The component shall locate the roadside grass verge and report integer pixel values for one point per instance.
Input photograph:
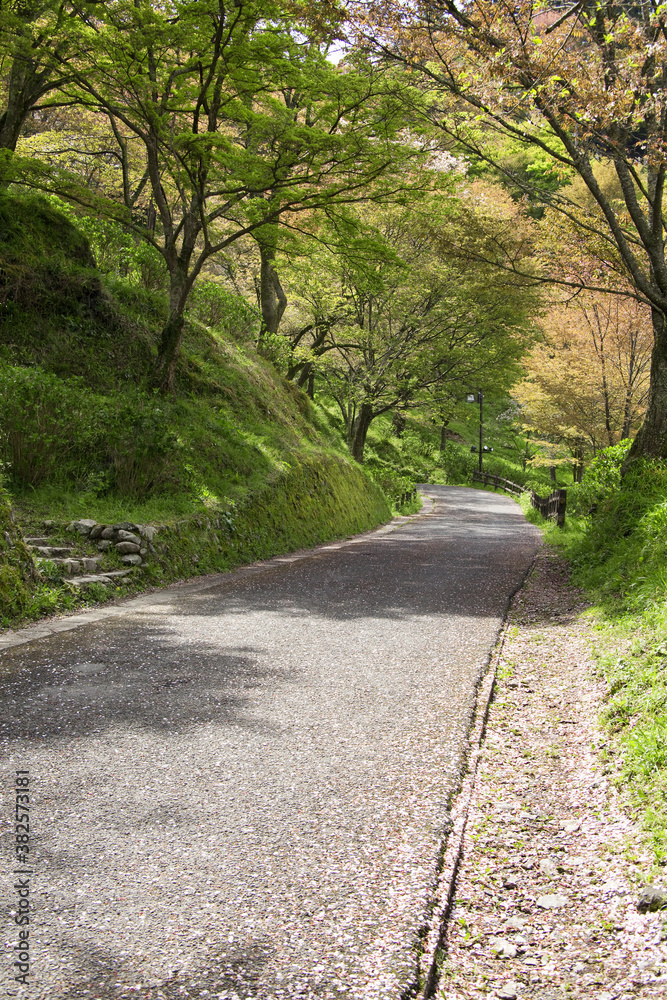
(319, 498)
(618, 556)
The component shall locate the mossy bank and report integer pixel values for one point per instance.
(237, 464)
(615, 539)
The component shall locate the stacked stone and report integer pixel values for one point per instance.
(133, 542)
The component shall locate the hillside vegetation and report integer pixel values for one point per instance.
(82, 435)
(615, 539)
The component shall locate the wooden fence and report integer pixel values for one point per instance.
(406, 497)
(552, 506)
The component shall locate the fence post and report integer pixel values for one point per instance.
(562, 502)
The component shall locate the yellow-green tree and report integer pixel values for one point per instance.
(587, 382)
(577, 83)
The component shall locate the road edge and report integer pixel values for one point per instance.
(68, 622)
(454, 834)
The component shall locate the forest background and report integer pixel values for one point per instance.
(246, 248)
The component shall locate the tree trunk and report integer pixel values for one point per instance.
(362, 422)
(629, 390)
(651, 441)
(627, 410)
(172, 332)
(272, 298)
(305, 375)
(20, 87)
(607, 410)
(398, 420)
(443, 436)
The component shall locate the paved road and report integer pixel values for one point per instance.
(239, 788)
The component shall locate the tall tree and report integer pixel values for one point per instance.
(580, 83)
(396, 324)
(35, 41)
(211, 143)
(587, 381)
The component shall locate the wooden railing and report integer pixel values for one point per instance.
(407, 497)
(552, 506)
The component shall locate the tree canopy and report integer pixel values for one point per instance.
(217, 122)
(581, 84)
(391, 321)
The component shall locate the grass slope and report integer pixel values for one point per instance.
(616, 542)
(82, 435)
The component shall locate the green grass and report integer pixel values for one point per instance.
(82, 434)
(617, 556)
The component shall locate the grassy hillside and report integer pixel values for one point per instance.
(615, 539)
(82, 435)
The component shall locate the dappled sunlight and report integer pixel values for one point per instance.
(242, 780)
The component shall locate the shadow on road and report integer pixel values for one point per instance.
(172, 667)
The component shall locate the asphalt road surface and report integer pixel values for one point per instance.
(238, 788)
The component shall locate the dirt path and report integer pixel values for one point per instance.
(545, 902)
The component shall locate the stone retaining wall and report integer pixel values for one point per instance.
(322, 498)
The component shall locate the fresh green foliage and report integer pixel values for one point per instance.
(240, 123)
(602, 478)
(391, 319)
(214, 305)
(236, 441)
(492, 79)
(527, 171)
(36, 39)
(115, 249)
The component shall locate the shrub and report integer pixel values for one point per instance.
(56, 429)
(458, 463)
(600, 480)
(140, 445)
(538, 486)
(216, 306)
(391, 481)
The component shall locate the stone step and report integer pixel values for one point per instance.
(91, 564)
(52, 551)
(106, 579)
(40, 540)
(68, 566)
(87, 564)
(85, 581)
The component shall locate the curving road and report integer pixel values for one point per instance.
(239, 786)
